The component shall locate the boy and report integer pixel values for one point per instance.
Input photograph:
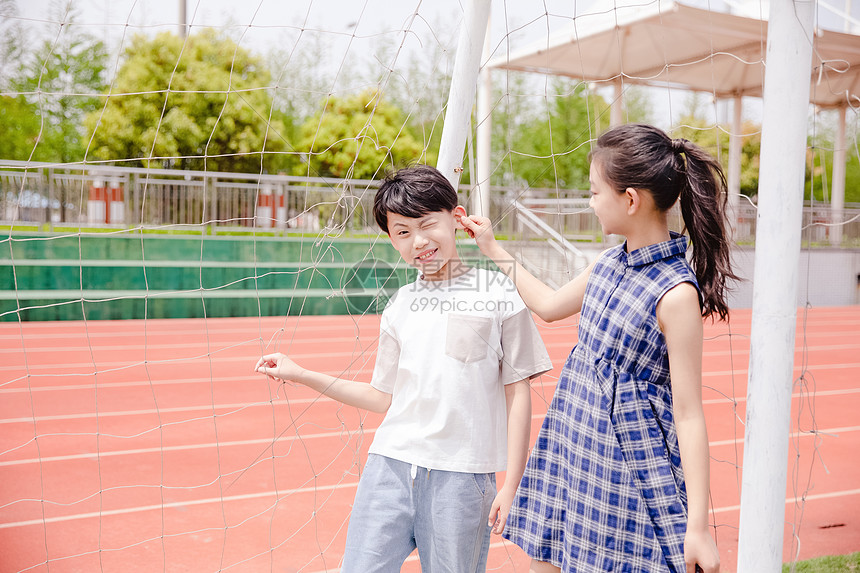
(456, 351)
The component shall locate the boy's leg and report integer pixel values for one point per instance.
(451, 528)
(381, 532)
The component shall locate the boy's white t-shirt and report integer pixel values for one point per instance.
(446, 350)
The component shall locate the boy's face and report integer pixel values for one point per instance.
(427, 242)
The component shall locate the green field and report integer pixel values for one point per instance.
(829, 564)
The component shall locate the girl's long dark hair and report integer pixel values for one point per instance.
(644, 157)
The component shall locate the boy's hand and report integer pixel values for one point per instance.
(280, 366)
(500, 509)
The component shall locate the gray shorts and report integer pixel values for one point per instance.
(400, 507)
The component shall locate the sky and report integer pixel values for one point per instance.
(265, 23)
(262, 19)
(342, 34)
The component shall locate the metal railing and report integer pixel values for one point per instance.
(557, 265)
(821, 225)
(101, 196)
(123, 197)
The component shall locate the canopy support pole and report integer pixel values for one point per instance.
(837, 189)
(734, 179)
(616, 108)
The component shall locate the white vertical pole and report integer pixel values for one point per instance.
(461, 97)
(837, 185)
(183, 18)
(616, 108)
(774, 311)
(734, 181)
(481, 194)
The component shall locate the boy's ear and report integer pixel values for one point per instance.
(459, 212)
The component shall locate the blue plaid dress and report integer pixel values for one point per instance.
(603, 489)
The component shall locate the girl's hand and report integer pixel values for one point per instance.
(700, 553)
(279, 365)
(480, 229)
(500, 509)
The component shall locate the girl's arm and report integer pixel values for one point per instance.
(550, 305)
(519, 409)
(349, 392)
(680, 319)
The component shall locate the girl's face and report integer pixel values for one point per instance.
(609, 205)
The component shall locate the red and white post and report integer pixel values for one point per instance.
(96, 202)
(265, 207)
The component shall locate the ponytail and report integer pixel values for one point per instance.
(703, 197)
(644, 157)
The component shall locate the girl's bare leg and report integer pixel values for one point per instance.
(543, 567)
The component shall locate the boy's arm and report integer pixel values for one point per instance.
(680, 320)
(519, 411)
(349, 392)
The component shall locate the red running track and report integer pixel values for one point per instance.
(151, 446)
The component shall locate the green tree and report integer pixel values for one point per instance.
(20, 121)
(819, 161)
(11, 42)
(637, 105)
(715, 139)
(300, 82)
(203, 104)
(19, 129)
(357, 136)
(56, 86)
(552, 151)
(420, 88)
(66, 79)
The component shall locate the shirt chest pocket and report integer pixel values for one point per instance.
(468, 337)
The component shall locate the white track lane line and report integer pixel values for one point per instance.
(285, 493)
(827, 432)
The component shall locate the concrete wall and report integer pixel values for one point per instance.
(827, 277)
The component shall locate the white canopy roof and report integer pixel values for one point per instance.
(688, 48)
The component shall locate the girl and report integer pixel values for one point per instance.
(604, 489)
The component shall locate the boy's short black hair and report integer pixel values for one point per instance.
(413, 192)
